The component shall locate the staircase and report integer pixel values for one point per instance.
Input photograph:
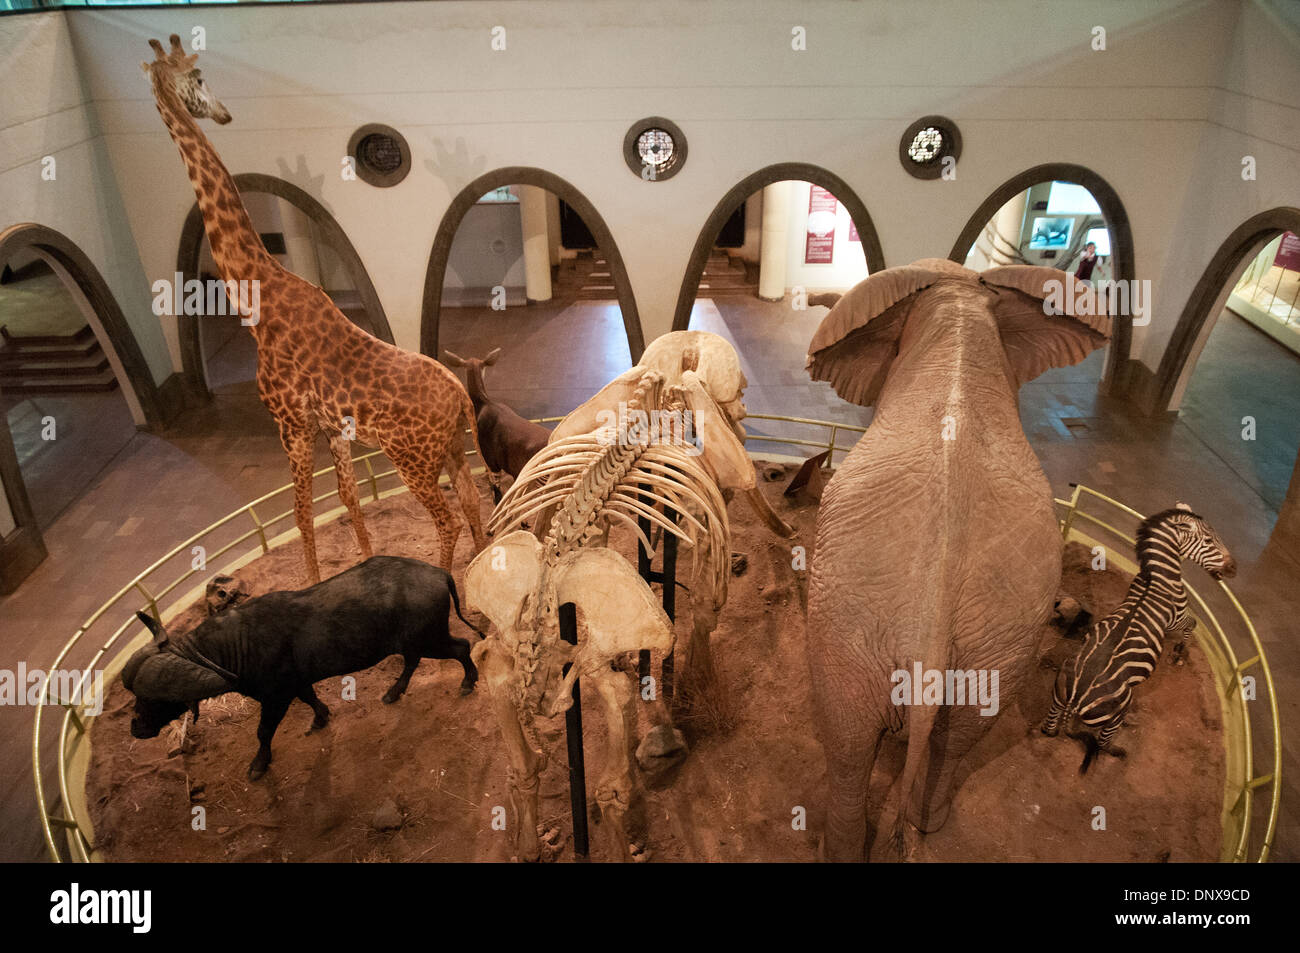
(725, 274)
(586, 278)
(54, 363)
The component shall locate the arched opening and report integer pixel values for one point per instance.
(218, 355)
(1232, 367)
(1047, 216)
(524, 262)
(739, 213)
(74, 385)
(772, 243)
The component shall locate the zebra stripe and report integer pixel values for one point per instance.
(1095, 686)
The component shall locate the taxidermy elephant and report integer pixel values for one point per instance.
(937, 546)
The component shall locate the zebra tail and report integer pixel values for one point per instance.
(1089, 743)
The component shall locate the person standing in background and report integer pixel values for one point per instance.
(1087, 262)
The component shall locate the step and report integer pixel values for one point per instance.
(726, 281)
(10, 354)
(34, 369)
(95, 383)
(725, 263)
(76, 339)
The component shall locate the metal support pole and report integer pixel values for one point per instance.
(669, 579)
(645, 572)
(573, 735)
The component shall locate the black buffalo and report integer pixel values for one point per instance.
(273, 648)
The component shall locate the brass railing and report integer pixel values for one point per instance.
(266, 534)
(1221, 644)
(147, 585)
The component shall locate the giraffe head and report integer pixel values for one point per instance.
(180, 69)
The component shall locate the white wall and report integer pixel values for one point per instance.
(46, 113)
(751, 250)
(848, 263)
(488, 250)
(1164, 114)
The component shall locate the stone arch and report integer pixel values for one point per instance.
(742, 190)
(1112, 209)
(1207, 299)
(92, 294)
(23, 548)
(430, 312)
(187, 263)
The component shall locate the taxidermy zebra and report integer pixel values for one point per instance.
(1095, 687)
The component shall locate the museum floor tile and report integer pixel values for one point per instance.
(163, 487)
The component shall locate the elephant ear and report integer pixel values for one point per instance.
(1040, 326)
(619, 609)
(588, 416)
(499, 578)
(858, 340)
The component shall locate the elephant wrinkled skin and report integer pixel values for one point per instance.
(936, 539)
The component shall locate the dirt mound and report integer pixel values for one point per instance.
(419, 780)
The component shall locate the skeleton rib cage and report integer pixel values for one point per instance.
(614, 474)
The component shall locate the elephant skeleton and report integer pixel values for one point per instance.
(706, 369)
(611, 474)
(702, 391)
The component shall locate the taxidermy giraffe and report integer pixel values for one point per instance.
(316, 370)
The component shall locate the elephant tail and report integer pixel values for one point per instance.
(920, 725)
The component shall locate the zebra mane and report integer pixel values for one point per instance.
(1152, 522)
(1147, 530)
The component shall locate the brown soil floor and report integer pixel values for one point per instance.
(754, 761)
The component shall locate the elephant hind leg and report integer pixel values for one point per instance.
(848, 767)
(957, 729)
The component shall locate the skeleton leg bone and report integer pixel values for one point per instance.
(617, 784)
(496, 668)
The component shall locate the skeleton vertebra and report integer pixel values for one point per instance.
(588, 480)
(707, 370)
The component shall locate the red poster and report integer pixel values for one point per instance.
(853, 231)
(1288, 252)
(819, 248)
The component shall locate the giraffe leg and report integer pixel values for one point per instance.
(341, 448)
(297, 444)
(523, 774)
(467, 493)
(422, 481)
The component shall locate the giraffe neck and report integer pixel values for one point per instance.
(236, 247)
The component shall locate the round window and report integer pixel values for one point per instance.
(654, 149)
(926, 144)
(381, 154)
